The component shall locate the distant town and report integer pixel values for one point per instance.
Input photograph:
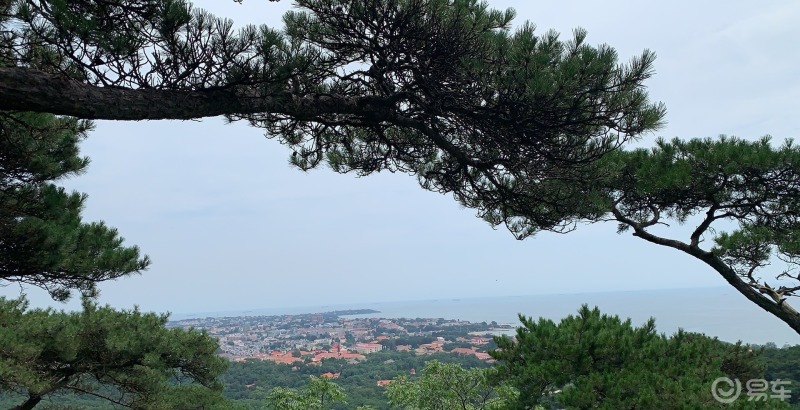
(308, 339)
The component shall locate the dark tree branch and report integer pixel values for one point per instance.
(28, 404)
(778, 307)
(703, 227)
(35, 398)
(25, 89)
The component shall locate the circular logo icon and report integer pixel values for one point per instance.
(726, 390)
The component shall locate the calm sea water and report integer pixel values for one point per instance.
(719, 312)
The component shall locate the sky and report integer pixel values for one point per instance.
(230, 225)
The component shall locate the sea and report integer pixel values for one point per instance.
(718, 312)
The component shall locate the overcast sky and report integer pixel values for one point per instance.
(230, 225)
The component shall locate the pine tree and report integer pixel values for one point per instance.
(448, 386)
(320, 393)
(43, 241)
(592, 360)
(746, 195)
(441, 89)
(125, 357)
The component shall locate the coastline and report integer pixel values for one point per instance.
(718, 312)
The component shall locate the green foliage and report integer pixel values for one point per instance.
(726, 182)
(600, 361)
(485, 110)
(127, 357)
(746, 181)
(685, 356)
(359, 381)
(679, 359)
(43, 241)
(447, 386)
(783, 364)
(318, 394)
(444, 90)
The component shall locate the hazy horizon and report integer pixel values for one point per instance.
(715, 311)
(352, 305)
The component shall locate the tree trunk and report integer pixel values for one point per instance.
(27, 89)
(782, 311)
(28, 404)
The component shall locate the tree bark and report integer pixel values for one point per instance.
(782, 311)
(27, 89)
(28, 404)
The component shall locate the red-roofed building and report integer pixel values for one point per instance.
(343, 355)
(463, 351)
(367, 348)
(281, 357)
(472, 352)
(483, 356)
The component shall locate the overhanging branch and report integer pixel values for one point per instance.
(775, 304)
(26, 89)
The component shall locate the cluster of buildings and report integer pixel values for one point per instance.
(315, 357)
(308, 339)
